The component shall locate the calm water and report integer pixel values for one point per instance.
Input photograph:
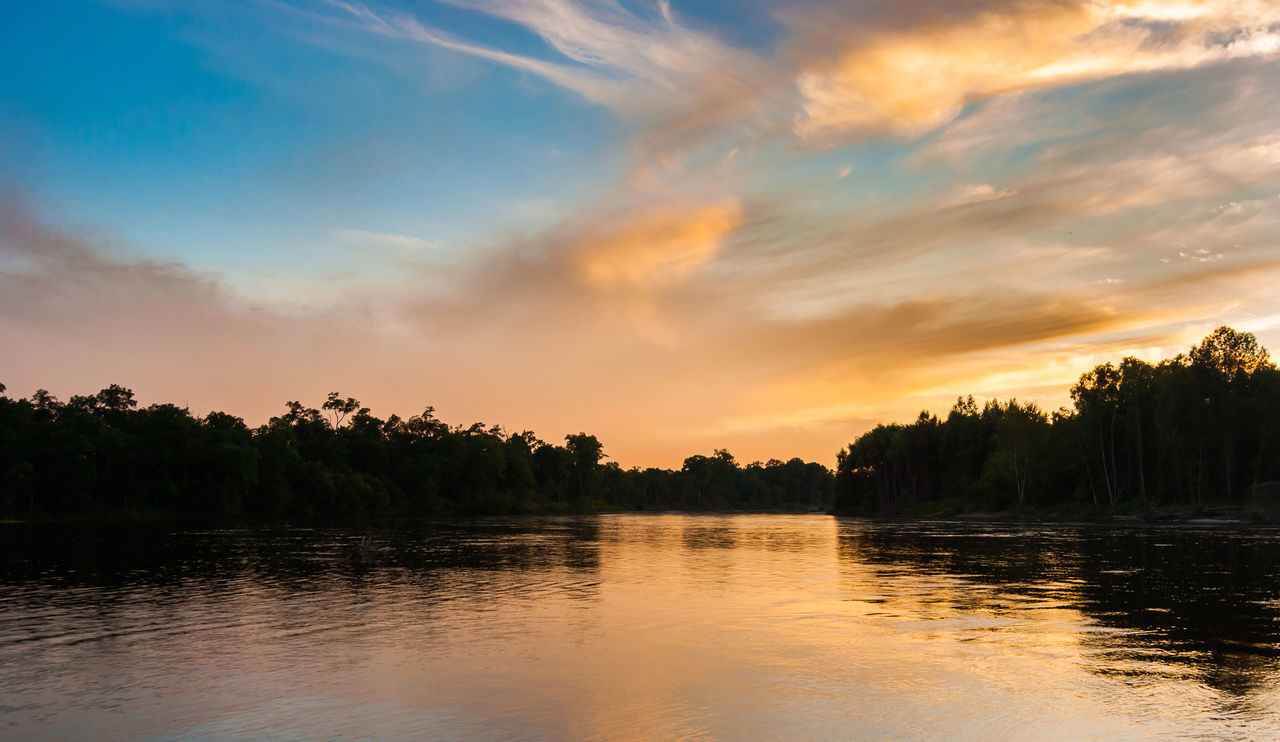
(629, 627)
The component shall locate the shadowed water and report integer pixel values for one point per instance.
(636, 626)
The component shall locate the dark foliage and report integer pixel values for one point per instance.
(100, 454)
(1201, 428)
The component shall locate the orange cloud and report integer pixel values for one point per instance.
(915, 79)
(656, 248)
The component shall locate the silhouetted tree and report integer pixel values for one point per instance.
(1202, 426)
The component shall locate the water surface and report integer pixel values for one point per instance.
(641, 626)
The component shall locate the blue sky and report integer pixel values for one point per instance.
(683, 226)
(223, 140)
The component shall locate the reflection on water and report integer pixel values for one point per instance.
(665, 626)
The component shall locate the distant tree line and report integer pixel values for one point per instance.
(102, 455)
(1199, 429)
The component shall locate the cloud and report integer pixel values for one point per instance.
(591, 86)
(77, 313)
(1201, 170)
(404, 242)
(1202, 255)
(37, 260)
(878, 71)
(657, 247)
(644, 66)
(975, 193)
(998, 124)
(848, 69)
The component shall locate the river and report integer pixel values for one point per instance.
(777, 627)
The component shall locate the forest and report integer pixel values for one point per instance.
(101, 456)
(1200, 430)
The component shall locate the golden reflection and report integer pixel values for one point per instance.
(658, 626)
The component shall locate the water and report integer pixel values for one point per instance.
(641, 627)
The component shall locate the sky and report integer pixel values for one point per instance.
(679, 226)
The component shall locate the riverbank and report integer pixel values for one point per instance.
(119, 516)
(1131, 512)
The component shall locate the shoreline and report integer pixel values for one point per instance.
(1198, 516)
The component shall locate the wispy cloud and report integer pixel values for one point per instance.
(406, 242)
(592, 86)
(609, 55)
(976, 193)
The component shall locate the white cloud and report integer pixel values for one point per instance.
(975, 193)
(1200, 255)
(379, 239)
(616, 57)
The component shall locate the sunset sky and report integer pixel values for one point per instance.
(760, 226)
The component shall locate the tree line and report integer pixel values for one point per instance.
(103, 455)
(1199, 429)
(1202, 428)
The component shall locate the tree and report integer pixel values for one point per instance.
(1020, 437)
(1097, 400)
(1230, 354)
(1224, 364)
(586, 451)
(340, 408)
(46, 403)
